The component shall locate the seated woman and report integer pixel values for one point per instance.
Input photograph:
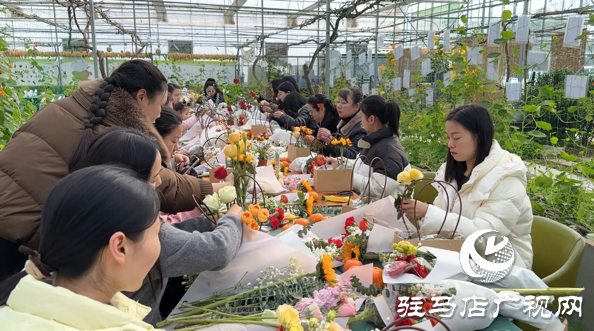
(349, 102)
(189, 247)
(170, 127)
(295, 112)
(175, 92)
(491, 183)
(324, 114)
(268, 105)
(381, 119)
(212, 93)
(99, 236)
(188, 119)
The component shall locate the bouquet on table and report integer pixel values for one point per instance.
(407, 258)
(355, 238)
(242, 164)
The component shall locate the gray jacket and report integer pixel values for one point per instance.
(188, 248)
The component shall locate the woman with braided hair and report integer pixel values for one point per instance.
(99, 237)
(56, 140)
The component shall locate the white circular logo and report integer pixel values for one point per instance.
(494, 264)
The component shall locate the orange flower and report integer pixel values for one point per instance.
(1, 91)
(254, 209)
(247, 218)
(263, 215)
(306, 186)
(254, 226)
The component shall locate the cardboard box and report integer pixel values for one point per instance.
(443, 242)
(258, 130)
(333, 180)
(295, 152)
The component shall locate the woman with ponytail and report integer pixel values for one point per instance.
(381, 119)
(55, 141)
(294, 112)
(324, 114)
(99, 237)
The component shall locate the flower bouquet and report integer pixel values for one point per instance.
(335, 180)
(242, 164)
(300, 147)
(355, 239)
(421, 300)
(406, 258)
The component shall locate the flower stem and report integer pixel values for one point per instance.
(225, 321)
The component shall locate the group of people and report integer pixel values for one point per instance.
(88, 232)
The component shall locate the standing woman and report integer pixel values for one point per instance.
(295, 112)
(348, 107)
(491, 183)
(99, 237)
(57, 138)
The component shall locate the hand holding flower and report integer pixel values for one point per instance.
(418, 211)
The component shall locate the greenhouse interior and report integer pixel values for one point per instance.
(311, 164)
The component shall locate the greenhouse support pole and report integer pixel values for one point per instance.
(58, 51)
(94, 40)
(327, 57)
(134, 17)
(375, 69)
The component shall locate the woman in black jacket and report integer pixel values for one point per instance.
(294, 113)
(348, 108)
(212, 92)
(324, 113)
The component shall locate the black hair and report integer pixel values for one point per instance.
(124, 146)
(328, 106)
(274, 84)
(477, 120)
(172, 87)
(168, 121)
(131, 76)
(179, 107)
(387, 112)
(218, 93)
(353, 92)
(293, 101)
(81, 214)
(292, 80)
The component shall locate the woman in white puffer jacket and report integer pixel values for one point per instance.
(491, 183)
(381, 119)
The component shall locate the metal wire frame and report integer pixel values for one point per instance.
(368, 185)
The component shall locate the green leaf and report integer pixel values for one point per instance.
(587, 170)
(530, 108)
(507, 35)
(493, 55)
(543, 125)
(588, 118)
(505, 2)
(506, 15)
(554, 140)
(464, 19)
(572, 109)
(568, 157)
(543, 181)
(536, 134)
(515, 51)
(500, 41)
(546, 92)
(518, 71)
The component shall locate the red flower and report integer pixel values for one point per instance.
(253, 95)
(230, 109)
(363, 225)
(427, 306)
(220, 173)
(235, 81)
(336, 242)
(320, 105)
(284, 199)
(408, 321)
(349, 221)
(281, 213)
(410, 258)
(274, 222)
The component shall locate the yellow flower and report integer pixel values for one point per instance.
(333, 326)
(249, 158)
(247, 218)
(348, 142)
(329, 273)
(404, 177)
(473, 71)
(435, 38)
(309, 205)
(415, 174)
(241, 157)
(254, 209)
(234, 137)
(288, 317)
(306, 186)
(393, 46)
(230, 151)
(454, 75)
(462, 51)
(296, 134)
(391, 52)
(393, 61)
(381, 68)
(405, 248)
(451, 66)
(254, 226)
(334, 141)
(349, 249)
(263, 215)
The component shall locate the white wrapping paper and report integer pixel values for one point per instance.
(267, 179)
(447, 264)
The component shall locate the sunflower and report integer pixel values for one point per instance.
(349, 249)
(327, 270)
(306, 186)
(309, 205)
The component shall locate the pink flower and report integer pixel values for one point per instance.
(347, 309)
(397, 268)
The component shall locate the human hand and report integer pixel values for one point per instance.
(277, 114)
(324, 135)
(181, 159)
(310, 138)
(418, 211)
(267, 109)
(235, 210)
(332, 161)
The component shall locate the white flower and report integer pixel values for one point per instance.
(213, 202)
(227, 194)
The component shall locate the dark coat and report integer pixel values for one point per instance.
(354, 131)
(386, 146)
